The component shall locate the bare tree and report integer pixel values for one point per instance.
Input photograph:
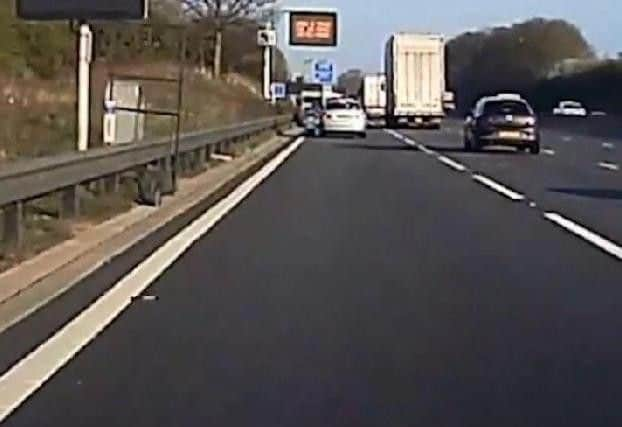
(220, 14)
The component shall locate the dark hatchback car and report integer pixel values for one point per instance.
(502, 120)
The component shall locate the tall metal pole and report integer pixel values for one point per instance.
(85, 55)
(267, 61)
(180, 94)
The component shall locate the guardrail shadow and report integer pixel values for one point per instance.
(369, 147)
(592, 193)
(488, 151)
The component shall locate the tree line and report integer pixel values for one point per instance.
(544, 60)
(220, 36)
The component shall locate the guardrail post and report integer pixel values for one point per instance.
(112, 183)
(203, 155)
(183, 162)
(195, 158)
(70, 202)
(209, 150)
(166, 167)
(200, 157)
(100, 185)
(14, 224)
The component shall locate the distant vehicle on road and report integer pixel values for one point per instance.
(374, 95)
(449, 101)
(504, 119)
(312, 121)
(344, 116)
(570, 108)
(415, 69)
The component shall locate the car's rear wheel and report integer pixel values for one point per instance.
(534, 148)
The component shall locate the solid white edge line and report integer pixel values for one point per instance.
(29, 374)
(587, 235)
(452, 163)
(499, 188)
(608, 166)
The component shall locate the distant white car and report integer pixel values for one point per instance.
(344, 116)
(570, 108)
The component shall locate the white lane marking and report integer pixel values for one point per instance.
(567, 138)
(426, 150)
(608, 146)
(548, 151)
(588, 235)
(452, 163)
(608, 166)
(410, 142)
(394, 134)
(33, 371)
(499, 188)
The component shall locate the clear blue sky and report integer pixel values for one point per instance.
(365, 24)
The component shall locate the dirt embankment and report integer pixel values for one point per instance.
(37, 118)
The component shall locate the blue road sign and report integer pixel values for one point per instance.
(279, 90)
(323, 71)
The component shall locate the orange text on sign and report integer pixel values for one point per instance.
(306, 29)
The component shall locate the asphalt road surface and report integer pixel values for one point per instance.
(367, 283)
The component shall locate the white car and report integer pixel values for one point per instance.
(570, 108)
(344, 116)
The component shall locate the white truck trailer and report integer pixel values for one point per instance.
(415, 72)
(374, 95)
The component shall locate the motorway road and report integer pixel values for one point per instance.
(577, 175)
(365, 283)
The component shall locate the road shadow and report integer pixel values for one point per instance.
(370, 147)
(484, 152)
(592, 193)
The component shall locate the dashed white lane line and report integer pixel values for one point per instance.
(33, 371)
(410, 142)
(452, 163)
(394, 134)
(608, 166)
(587, 235)
(426, 150)
(608, 146)
(591, 237)
(499, 188)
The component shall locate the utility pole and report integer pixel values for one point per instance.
(85, 56)
(267, 64)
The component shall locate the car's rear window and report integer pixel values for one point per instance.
(342, 105)
(507, 107)
(311, 99)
